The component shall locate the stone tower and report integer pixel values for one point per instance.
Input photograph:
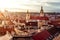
(27, 16)
(41, 11)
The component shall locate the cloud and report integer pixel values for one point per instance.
(32, 5)
(53, 0)
(54, 6)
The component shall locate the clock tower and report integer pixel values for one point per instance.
(27, 16)
(41, 11)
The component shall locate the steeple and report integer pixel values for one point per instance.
(41, 11)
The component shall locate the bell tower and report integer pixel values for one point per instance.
(41, 11)
(27, 16)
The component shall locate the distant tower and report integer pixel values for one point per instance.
(41, 11)
(2, 18)
(27, 16)
(41, 22)
(6, 13)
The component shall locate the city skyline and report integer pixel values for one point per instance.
(31, 5)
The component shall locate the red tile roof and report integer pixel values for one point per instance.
(22, 21)
(39, 18)
(57, 23)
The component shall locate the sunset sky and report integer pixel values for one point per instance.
(31, 5)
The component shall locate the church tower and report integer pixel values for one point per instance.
(27, 16)
(41, 11)
(41, 22)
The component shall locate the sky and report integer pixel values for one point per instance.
(31, 5)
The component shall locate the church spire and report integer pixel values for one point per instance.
(41, 11)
